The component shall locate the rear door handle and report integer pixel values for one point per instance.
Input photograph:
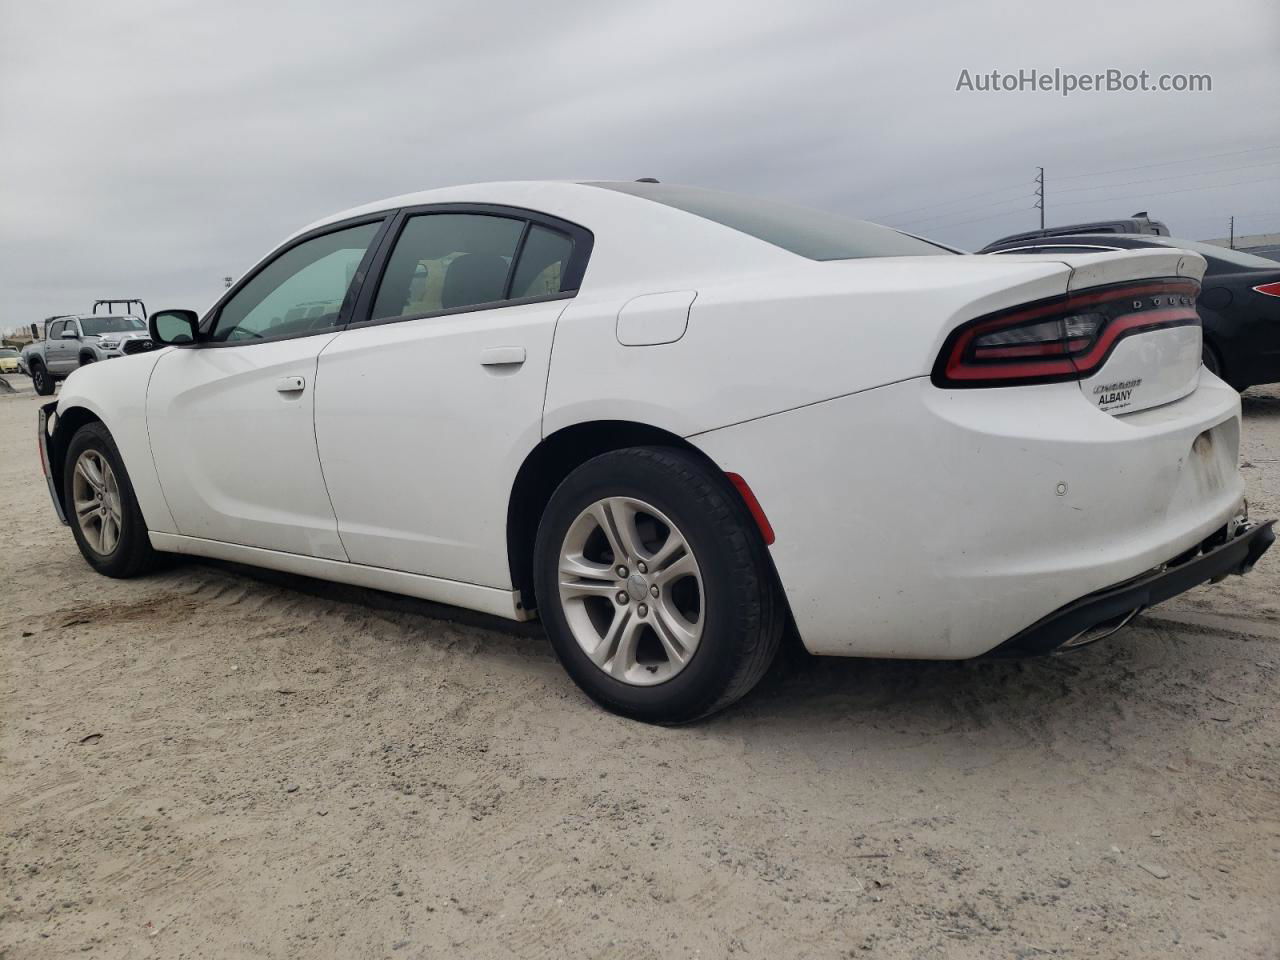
(502, 356)
(290, 385)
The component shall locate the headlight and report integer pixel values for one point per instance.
(108, 344)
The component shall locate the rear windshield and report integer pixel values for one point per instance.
(95, 326)
(810, 233)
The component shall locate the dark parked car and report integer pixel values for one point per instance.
(1239, 299)
(1138, 223)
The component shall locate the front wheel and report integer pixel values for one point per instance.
(655, 587)
(101, 507)
(40, 379)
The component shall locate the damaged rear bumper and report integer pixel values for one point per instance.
(1099, 614)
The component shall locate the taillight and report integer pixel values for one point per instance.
(1270, 289)
(1064, 338)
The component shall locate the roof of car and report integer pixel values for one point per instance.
(537, 194)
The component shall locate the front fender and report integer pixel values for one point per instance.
(116, 394)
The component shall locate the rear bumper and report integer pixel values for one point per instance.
(47, 412)
(1074, 624)
(923, 523)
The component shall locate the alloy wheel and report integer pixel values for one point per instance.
(96, 496)
(631, 591)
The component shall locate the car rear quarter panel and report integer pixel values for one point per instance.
(759, 344)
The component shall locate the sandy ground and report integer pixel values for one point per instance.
(213, 763)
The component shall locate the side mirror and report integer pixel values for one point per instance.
(169, 327)
(69, 334)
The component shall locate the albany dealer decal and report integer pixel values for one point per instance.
(1115, 396)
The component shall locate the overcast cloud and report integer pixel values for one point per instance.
(148, 149)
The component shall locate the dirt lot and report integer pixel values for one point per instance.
(212, 763)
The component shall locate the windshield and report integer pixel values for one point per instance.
(6, 352)
(96, 326)
(810, 233)
(1210, 251)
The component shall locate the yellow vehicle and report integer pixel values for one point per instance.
(9, 360)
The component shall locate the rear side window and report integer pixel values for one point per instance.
(451, 261)
(543, 261)
(810, 233)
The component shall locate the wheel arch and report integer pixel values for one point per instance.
(553, 459)
(69, 421)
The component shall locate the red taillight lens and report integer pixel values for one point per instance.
(1270, 289)
(1065, 338)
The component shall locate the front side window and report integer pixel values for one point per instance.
(55, 329)
(301, 291)
(447, 261)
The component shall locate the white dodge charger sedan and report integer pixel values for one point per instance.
(676, 424)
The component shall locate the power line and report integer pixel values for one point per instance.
(1003, 213)
(941, 203)
(1166, 163)
(956, 213)
(882, 217)
(1165, 193)
(1178, 176)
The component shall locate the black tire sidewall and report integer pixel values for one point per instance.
(43, 383)
(697, 688)
(1209, 357)
(134, 547)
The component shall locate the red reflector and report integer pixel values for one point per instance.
(1270, 289)
(753, 505)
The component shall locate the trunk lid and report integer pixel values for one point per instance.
(1154, 366)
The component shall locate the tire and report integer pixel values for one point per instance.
(1211, 361)
(41, 380)
(731, 599)
(129, 552)
(87, 358)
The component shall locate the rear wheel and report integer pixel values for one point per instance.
(40, 379)
(101, 507)
(654, 585)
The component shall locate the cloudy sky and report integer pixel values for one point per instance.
(149, 148)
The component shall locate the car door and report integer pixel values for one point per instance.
(62, 353)
(230, 417)
(429, 402)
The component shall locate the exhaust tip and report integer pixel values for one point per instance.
(1100, 631)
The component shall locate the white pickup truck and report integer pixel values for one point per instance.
(70, 342)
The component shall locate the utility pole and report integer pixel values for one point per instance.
(1232, 241)
(1040, 195)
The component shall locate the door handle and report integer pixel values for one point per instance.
(290, 385)
(502, 356)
